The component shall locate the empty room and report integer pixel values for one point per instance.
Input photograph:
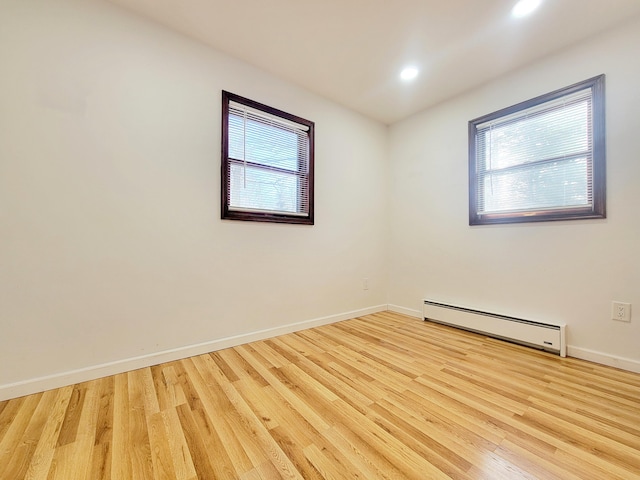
(264, 239)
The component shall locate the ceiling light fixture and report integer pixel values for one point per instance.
(524, 8)
(409, 73)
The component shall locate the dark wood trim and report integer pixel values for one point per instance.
(262, 166)
(598, 210)
(547, 97)
(537, 216)
(268, 217)
(258, 216)
(232, 97)
(311, 171)
(224, 155)
(536, 163)
(473, 174)
(599, 148)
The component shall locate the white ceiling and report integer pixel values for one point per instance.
(351, 51)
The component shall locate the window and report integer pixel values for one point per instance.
(543, 159)
(267, 163)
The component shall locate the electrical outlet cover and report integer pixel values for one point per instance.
(621, 311)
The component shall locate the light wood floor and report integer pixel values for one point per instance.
(382, 396)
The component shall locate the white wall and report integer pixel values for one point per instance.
(556, 271)
(111, 243)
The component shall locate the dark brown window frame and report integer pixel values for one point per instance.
(598, 174)
(228, 213)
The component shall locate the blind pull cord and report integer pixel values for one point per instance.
(244, 148)
(490, 156)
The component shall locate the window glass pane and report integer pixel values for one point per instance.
(563, 131)
(542, 159)
(257, 188)
(266, 144)
(537, 187)
(267, 163)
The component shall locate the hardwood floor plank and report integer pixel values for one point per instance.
(431, 401)
(429, 446)
(442, 436)
(73, 460)
(174, 393)
(337, 385)
(72, 417)
(61, 463)
(324, 467)
(215, 422)
(384, 377)
(388, 452)
(104, 425)
(14, 434)
(272, 357)
(140, 449)
(248, 421)
(40, 462)
(33, 456)
(382, 396)
(354, 379)
(121, 440)
(199, 441)
(545, 463)
(160, 391)
(588, 424)
(180, 453)
(609, 408)
(596, 448)
(496, 467)
(300, 344)
(359, 452)
(238, 428)
(10, 409)
(342, 414)
(315, 337)
(163, 467)
(235, 368)
(86, 432)
(262, 404)
(295, 451)
(101, 462)
(296, 402)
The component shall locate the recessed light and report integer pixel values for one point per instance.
(409, 73)
(525, 7)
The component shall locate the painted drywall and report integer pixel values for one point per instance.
(556, 271)
(111, 242)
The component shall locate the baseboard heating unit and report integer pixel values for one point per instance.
(545, 336)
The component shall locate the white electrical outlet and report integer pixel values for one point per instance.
(621, 311)
(365, 284)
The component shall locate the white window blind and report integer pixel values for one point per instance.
(268, 162)
(536, 160)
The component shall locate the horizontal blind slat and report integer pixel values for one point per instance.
(271, 162)
(537, 158)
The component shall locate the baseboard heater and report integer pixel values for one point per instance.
(545, 336)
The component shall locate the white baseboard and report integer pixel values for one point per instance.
(604, 359)
(405, 311)
(35, 385)
(575, 352)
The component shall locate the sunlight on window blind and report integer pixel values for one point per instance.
(269, 162)
(539, 158)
